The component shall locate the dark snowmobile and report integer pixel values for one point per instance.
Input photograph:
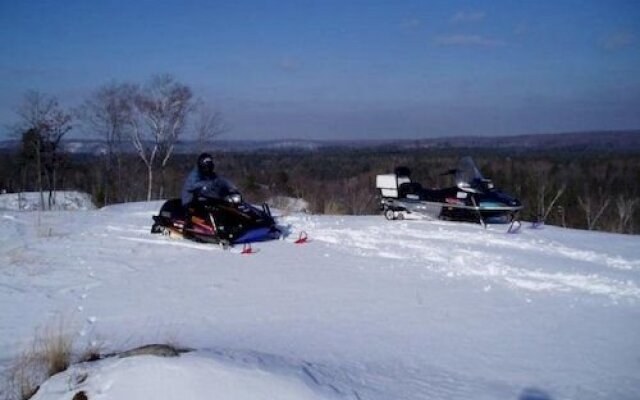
(473, 198)
(226, 220)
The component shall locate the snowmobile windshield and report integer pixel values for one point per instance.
(219, 189)
(467, 173)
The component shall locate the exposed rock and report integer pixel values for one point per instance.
(160, 350)
(81, 395)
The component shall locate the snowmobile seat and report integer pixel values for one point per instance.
(400, 179)
(435, 195)
(170, 211)
(410, 190)
(173, 209)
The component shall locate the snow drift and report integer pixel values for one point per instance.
(190, 376)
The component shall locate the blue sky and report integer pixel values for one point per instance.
(343, 69)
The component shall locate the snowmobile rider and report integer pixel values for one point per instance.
(203, 183)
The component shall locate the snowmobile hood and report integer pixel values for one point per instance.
(256, 235)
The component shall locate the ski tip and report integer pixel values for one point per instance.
(302, 238)
(247, 249)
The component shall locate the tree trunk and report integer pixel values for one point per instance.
(586, 207)
(55, 178)
(557, 196)
(149, 180)
(105, 180)
(598, 214)
(49, 174)
(52, 187)
(161, 190)
(39, 173)
(24, 186)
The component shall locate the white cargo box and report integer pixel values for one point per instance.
(389, 181)
(388, 185)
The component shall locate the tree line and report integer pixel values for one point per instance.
(574, 190)
(583, 190)
(147, 119)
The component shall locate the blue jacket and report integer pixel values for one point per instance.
(215, 187)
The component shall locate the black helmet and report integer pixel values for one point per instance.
(205, 164)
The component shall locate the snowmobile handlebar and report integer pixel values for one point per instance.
(207, 196)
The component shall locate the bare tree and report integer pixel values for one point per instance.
(545, 209)
(107, 112)
(546, 193)
(161, 111)
(59, 125)
(626, 207)
(207, 124)
(357, 194)
(31, 151)
(47, 122)
(593, 206)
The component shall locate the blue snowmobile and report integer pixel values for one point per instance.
(224, 219)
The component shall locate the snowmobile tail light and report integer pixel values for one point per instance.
(451, 200)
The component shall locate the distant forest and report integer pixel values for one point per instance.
(584, 190)
(142, 124)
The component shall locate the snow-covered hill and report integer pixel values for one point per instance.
(369, 309)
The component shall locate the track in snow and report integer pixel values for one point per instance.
(498, 257)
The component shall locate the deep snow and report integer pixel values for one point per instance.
(369, 309)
